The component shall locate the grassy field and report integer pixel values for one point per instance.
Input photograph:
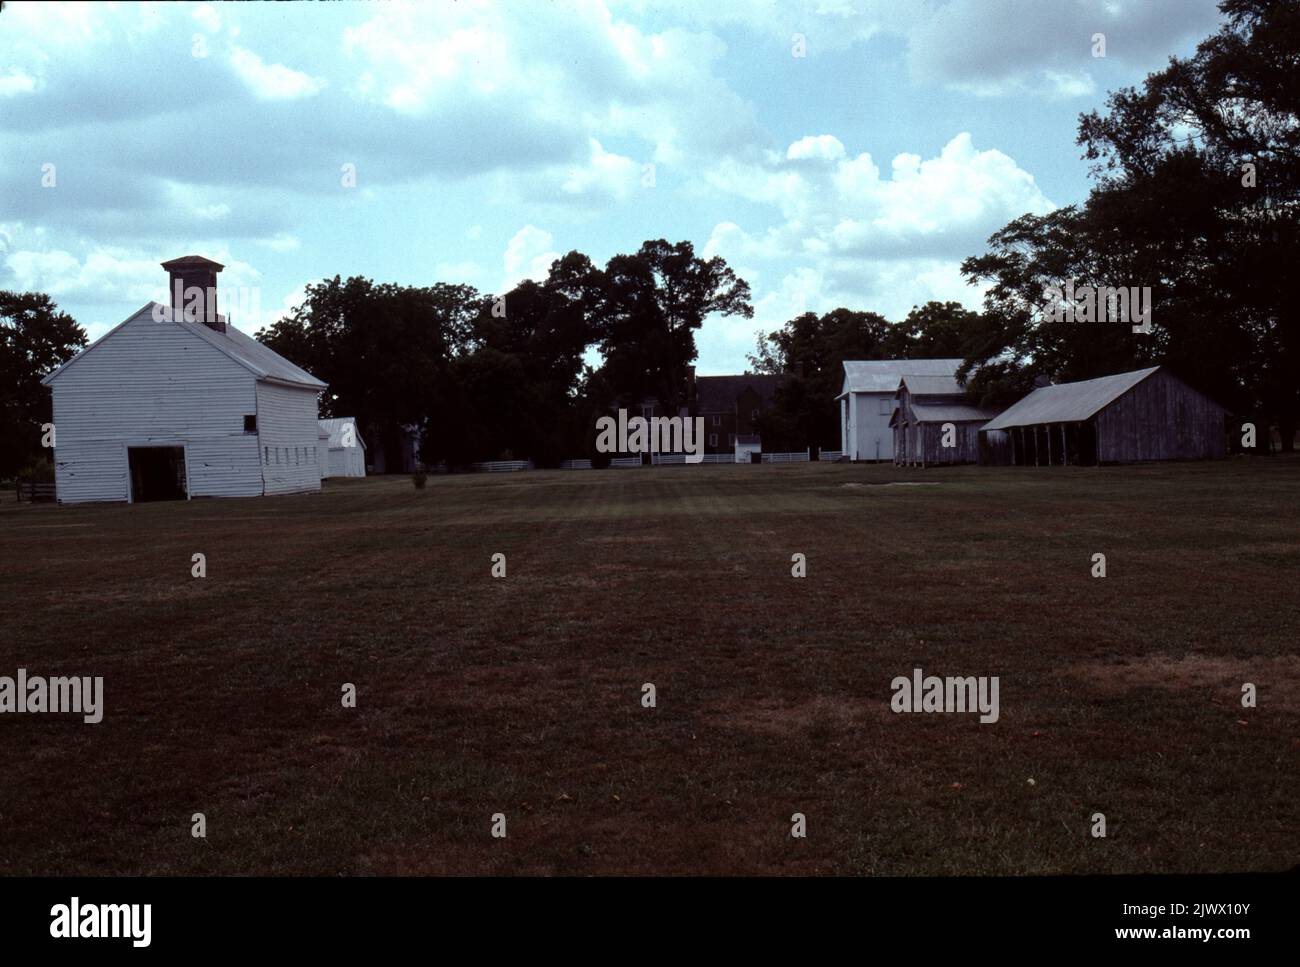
(522, 695)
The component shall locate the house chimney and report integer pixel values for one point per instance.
(192, 280)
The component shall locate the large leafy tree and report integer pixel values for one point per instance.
(1233, 107)
(513, 392)
(35, 338)
(386, 350)
(648, 306)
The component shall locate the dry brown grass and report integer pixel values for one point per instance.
(522, 695)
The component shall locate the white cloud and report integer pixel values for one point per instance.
(207, 17)
(821, 147)
(606, 175)
(280, 242)
(16, 81)
(272, 82)
(528, 256)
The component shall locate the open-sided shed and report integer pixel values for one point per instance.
(1148, 414)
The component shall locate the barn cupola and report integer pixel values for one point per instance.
(193, 285)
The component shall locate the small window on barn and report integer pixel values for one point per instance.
(713, 439)
(250, 423)
(731, 439)
(266, 455)
(886, 407)
(717, 421)
(753, 414)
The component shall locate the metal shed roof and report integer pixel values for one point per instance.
(883, 375)
(952, 413)
(919, 385)
(1069, 402)
(262, 361)
(334, 428)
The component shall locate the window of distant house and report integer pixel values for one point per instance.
(713, 439)
(250, 423)
(886, 407)
(266, 454)
(753, 414)
(717, 421)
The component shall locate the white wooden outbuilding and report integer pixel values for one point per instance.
(176, 403)
(347, 451)
(867, 402)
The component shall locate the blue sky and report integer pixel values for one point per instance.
(488, 138)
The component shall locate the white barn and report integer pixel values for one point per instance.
(176, 403)
(867, 402)
(346, 449)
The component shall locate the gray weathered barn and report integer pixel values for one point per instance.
(935, 423)
(1148, 414)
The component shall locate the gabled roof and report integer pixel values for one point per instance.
(333, 427)
(262, 361)
(1069, 402)
(883, 375)
(718, 394)
(952, 413)
(931, 385)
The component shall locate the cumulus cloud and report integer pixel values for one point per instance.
(272, 82)
(605, 176)
(844, 205)
(859, 237)
(1017, 47)
(528, 256)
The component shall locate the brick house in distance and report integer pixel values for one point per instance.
(730, 407)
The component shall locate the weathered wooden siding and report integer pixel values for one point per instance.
(1161, 418)
(965, 449)
(919, 443)
(288, 434)
(153, 383)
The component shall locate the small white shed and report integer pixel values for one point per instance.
(347, 451)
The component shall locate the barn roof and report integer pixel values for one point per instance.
(952, 413)
(883, 375)
(1069, 402)
(919, 385)
(334, 428)
(718, 394)
(262, 361)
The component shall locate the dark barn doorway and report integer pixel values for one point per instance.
(157, 473)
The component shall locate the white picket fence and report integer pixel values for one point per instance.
(502, 466)
(658, 459)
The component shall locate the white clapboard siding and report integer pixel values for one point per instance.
(90, 470)
(288, 434)
(347, 462)
(152, 383)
